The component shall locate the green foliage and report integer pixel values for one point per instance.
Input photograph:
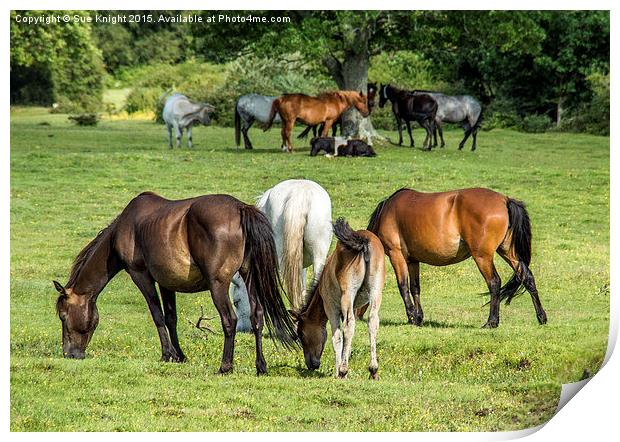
(535, 123)
(592, 116)
(142, 99)
(69, 182)
(115, 43)
(68, 65)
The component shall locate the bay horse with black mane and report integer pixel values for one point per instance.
(445, 228)
(409, 107)
(324, 108)
(184, 246)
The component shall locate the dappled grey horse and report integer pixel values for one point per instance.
(181, 113)
(250, 108)
(461, 109)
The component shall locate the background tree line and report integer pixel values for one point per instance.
(530, 69)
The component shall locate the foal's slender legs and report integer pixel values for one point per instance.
(146, 284)
(490, 275)
(400, 268)
(169, 301)
(348, 325)
(400, 130)
(414, 285)
(373, 327)
(178, 133)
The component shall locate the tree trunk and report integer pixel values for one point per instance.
(559, 111)
(352, 74)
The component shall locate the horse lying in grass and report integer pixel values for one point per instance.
(340, 147)
(300, 213)
(324, 108)
(184, 246)
(353, 277)
(445, 228)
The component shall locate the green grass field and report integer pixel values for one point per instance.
(68, 182)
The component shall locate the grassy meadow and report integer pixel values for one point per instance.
(69, 182)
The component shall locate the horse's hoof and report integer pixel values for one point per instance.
(542, 319)
(225, 370)
(373, 375)
(491, 324)
(342, 374)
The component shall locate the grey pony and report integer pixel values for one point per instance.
(181, 113)
(461, 109)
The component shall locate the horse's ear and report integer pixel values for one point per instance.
(59, 288)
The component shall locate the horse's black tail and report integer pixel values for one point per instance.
(237, 127)
(272, 114)
(521, 245)
(350, 239)
(263, 281)
(304, 134)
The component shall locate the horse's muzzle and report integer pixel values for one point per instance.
(75, 355)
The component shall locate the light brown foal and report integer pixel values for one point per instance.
(445, 228)
(353, 276)
(324, 108)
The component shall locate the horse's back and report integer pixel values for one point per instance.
(256, 106)
(437, 228)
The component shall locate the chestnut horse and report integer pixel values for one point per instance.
(448, 227)
(353, 276)
(185, 246)
(324, 108)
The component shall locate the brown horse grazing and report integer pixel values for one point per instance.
(184, 246)
(324, 108)
(448, 227)
(353, 277)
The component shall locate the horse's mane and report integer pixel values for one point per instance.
(314, 291)
(374, 218)
(87, 252)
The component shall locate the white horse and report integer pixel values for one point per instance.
(300, 212)
(180, 113)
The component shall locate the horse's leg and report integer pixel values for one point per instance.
(169, 301)
(484, 261)
(247, 124)
(287, 130)
(178, 132)
(429, 134)
(373, 326)
(408, 123)
(467, 134)
(335, 129)
(257, 319)
(400, 131)
(190, 143)
(474, 135)
(221, 300)
(402, 275)
(525, 275)
(169, 127)
(146, 284)
(414, 285)
(440, 130)
(326, 126)
(348, 323)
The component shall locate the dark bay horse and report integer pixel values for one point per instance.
(184, 246)
(371, 92)
(353, 276)
(448, 227)
(324, 108)
(408, 107)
